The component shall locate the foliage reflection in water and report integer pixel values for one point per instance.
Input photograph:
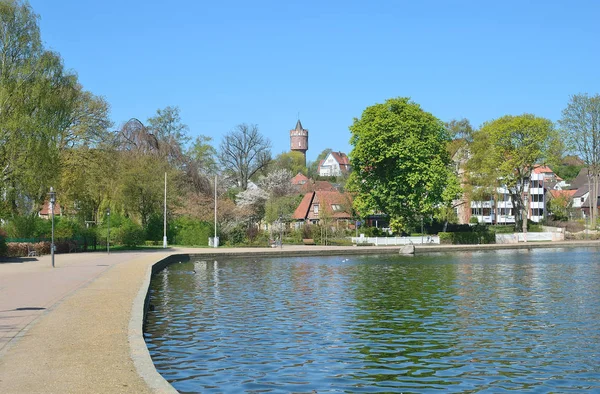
(463, 322)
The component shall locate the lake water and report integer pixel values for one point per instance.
(494, 321)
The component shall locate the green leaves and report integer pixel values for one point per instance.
(400, 161)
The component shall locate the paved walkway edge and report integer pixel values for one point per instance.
(137, 345)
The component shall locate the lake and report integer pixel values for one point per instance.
(493, 321)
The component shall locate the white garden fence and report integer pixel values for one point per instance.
(379, 241)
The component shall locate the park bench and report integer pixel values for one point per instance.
(31, 251)
(308, 241)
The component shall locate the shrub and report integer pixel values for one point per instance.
(67, 228)
(479, 235)
(16, 249)
(306, 231)
(474, 220)
(503, 229)
(130, 234)
(3, 247)
(188, 231)
(155, 228)
(42, 247)
(237, 235)
(339, 242)
(252, 234)
(22, 226)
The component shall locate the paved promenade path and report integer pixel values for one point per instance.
(79, 342)
(76, 328)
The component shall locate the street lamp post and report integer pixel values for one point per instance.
(108, 233)
(52, 202)
(280, 231)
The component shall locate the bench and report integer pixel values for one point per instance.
(31, 251)
(308, 241)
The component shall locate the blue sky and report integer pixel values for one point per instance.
(230, 62)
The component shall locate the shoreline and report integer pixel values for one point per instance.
(90, 339)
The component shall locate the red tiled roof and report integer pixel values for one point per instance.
(45, 211)
(302, 211)
(312, 186)
(341, 158)
(325, 200)
(538, 169)
(559, 193)
(299, 179)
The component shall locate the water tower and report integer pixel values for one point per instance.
(299, 140)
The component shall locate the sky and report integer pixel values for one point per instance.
(228, 62)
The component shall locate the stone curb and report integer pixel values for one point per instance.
(137, 345)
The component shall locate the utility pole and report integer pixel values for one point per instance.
(215, 239)
(52, 202)
(165, 216)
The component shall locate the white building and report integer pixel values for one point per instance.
(500, 209)
(334, 164)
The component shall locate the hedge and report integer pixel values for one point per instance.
(468, 238)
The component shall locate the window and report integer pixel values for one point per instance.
(336, 207)
(537, 198)
(316, 209)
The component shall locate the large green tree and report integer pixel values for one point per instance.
(37, 97)
(43, 111)
(400, 162)
(504, 152)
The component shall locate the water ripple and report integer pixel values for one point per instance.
(526, 321)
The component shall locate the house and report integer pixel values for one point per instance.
(324, 207)
(334, 164)
(581, 202)
(45, 212)
(299, 179)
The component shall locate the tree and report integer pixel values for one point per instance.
(88, 123)
(37, 98)
(171, 133)
(88, 179)
(277, 183)
(504, 152)
(461, 135)
(313, 166)
(581, 120)
(460, 129)
(292, 161)
(400, 162)
(203, 154)
(281, 206)
(141, 188)
(559, 206)
(252, 203)
(244, 152)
